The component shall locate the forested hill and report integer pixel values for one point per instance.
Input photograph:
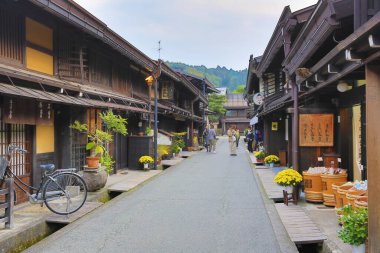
(220, 76)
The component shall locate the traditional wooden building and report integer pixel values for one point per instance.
(267, 80)
(332, 72)
(236, 112)
(59, 63)
(181, 103)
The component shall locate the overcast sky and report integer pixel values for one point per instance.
(196, 32)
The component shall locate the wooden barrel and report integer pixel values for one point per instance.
(361, 201)
(335, 187)
(327, 182)
(342, 191)
(353, 194)
(312, 187)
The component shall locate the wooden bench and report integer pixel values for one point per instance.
(273, 190)
(301, 229)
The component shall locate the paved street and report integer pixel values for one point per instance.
(208, 203)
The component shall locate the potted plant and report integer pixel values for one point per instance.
(98, 139)
(163, 151)
(354, 227)
(288, 178)
(260, 155)
(146, 160)
(271, 160)
(177, 143)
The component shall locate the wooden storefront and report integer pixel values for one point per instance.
(337, 79)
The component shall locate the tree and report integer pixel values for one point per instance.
(240, 89)
(215, 104)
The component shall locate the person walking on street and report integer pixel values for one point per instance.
(206, 139)
(237, 137)
(250, 137)
(212, 139)
(231, 133)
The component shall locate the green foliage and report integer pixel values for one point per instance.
(99, 139)
(215, 104)
(240, 89)
(354, 225)
(107, 162)
(220, 76)
(79, 127)
(148, 130)
(177, 142)
(114, 123)
(213, 118)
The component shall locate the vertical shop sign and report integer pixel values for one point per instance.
(316, 130)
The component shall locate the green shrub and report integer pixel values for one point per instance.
(177, 142)
(354, 225)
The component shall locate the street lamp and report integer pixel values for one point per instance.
(152, 80)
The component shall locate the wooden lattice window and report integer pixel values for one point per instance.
(19, 135)
(72, 58)
(11, 34)
(101, 69)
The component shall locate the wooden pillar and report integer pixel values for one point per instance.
(373, 159)
(295, 160)
(10, 200)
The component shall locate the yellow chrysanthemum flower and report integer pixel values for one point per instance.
(288, 177)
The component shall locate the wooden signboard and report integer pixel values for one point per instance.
(316, 130)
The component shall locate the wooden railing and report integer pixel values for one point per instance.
(8, 204)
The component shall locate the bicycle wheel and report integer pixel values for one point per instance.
(65, 193)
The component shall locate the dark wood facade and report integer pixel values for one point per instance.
(58, 64)
(331, 65)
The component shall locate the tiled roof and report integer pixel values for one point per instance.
(235, 101)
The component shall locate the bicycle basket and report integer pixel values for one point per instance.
(3, 166)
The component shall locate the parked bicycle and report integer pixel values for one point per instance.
(63, 191)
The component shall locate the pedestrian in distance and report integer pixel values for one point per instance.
(231, 133)
(212, 139)
(250, 137)
(206, 139)
(237, 137)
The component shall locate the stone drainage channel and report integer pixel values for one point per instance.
(42, 229)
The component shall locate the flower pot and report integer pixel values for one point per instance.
(146, 166)
(92, 162)
(271, 165)
(358, 249)
(189, 148)
(259, 160)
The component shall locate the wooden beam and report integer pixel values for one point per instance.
(374, 41)
(373, 159)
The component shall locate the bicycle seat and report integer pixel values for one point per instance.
(47, 167)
